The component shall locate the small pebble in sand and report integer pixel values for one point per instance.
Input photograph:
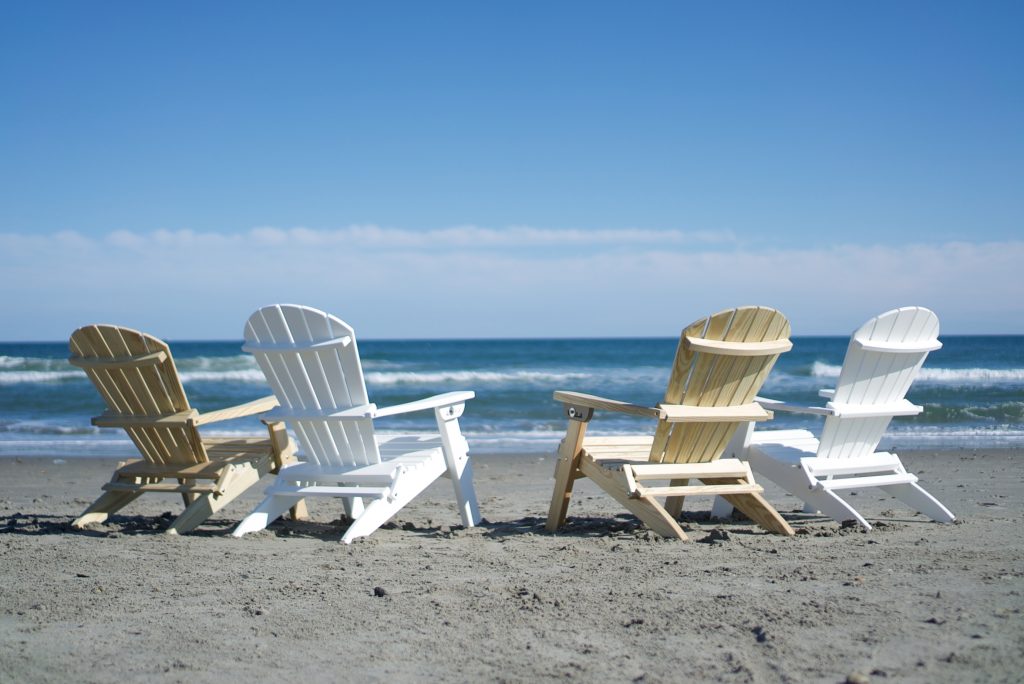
(379, 592)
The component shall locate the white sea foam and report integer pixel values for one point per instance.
(462, 376)
(243, 375)
(974, 376)
(18, 377)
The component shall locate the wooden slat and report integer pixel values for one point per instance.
(135, 361)
(679, 413)
(666, 471)
(726, 348)
(287, 347)
(251, 408)
(590, 401)
(143, 421)
(700, 490)
(166, 487)
(327, 490)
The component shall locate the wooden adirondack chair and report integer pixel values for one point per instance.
(312, 363)
(135, 375)
(882, 360)
(720, 364)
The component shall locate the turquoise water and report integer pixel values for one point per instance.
(972, 389)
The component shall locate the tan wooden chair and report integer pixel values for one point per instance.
(135, 375)
(720, 364)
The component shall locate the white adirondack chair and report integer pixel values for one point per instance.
(882, 360)
(311, 361)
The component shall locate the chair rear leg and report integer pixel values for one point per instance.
(721, 509)
(757, 508)
(240, 478)
(915, 496)
(269, 510)
(353, 506)
(406, 488)
(832, 505)
(674, 504)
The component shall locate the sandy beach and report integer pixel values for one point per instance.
(423, 599)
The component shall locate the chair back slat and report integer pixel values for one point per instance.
(882, 360)
(709, 377)
(313, 376)
(148, 389)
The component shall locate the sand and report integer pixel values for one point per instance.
(603, 601)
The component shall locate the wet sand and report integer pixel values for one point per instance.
(423, 599)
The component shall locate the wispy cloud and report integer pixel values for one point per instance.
(471, 281)
(462, 237)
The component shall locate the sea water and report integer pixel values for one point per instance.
(972, 390)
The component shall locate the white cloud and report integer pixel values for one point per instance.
(464, 237)
(470, 281)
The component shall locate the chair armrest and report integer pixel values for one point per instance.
(775, 405)
(434, 402)
(898, 408)
(678, 413)
(590, 401)
(251, 408)
(826, 393)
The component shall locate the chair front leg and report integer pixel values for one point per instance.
(456, 456)
(568, 465)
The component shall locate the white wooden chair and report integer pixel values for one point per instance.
(721, 362)
(882, 360)
(311, 361)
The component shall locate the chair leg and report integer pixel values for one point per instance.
(832, 505)
(650, 512)
(757, 508)
(379, 511)
(566, 470)
(299, 511)
(754, 506)
(269, 510)
(721, 509)
(353, 506)
(456, 458)
(917, 498)
(674, 504)
(239, 479)
(107, 503)
(469, 509)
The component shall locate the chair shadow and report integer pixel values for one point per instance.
(115, 526)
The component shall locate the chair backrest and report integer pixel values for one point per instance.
(882, 360)
(718, 375)
(311, 361)
(135, 375)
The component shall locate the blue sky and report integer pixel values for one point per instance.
(455, 169)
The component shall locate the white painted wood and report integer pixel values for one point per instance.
(882, 360)
(311, 361)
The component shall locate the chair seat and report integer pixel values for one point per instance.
(410, 452)
(786, 446)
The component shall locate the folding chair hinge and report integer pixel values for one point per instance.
(581, 414)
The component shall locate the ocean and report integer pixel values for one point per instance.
(972, 390)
